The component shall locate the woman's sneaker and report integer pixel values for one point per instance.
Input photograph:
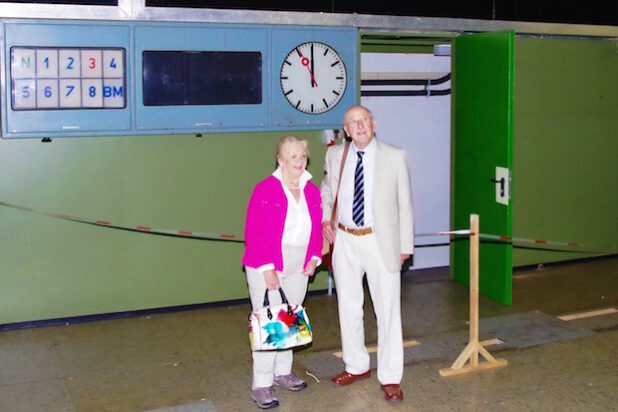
(264, 397)
(290, 382)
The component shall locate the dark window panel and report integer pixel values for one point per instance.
(80, 2)
(177, 78)
(566, 11)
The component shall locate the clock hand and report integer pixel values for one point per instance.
(312, 69)
(305, 62)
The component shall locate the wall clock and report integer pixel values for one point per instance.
(313, 78)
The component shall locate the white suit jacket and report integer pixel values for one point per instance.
(392, 200)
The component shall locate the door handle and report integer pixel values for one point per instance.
(501, 181)
(503, 191)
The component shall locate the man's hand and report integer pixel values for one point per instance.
(404, 257)
(272, 280)
(328, 232)
(310, 268)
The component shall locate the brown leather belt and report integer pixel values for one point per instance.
(356, 232)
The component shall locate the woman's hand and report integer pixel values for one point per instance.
(310, 268)
(272, 280)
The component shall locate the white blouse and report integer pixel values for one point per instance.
(297, 228)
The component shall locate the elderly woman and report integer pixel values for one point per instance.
(283, 247)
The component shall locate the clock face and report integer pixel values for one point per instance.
(313, 78)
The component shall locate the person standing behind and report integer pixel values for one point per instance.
(283, 243)
(375, 235)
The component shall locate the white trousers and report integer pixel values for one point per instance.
(353, 256)
(267, 364)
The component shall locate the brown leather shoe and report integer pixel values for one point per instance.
(345, 378)
(392, 392)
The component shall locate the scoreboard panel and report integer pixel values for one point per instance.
(106, 78)
(192, 69)
(65, 78)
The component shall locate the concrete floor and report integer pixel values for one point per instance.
(199, 360)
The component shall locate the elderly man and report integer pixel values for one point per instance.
(374, 235)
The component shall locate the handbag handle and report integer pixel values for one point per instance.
(284, 300)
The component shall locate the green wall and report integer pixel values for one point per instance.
(565, 171)
(51, 268)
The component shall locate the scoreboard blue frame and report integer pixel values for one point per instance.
(86, 78)
(38, 118)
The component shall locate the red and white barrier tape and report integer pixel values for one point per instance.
(515, 241)
(140, 228)
(549, 244)
(532, 243)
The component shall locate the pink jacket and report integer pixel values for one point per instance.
(266, 214)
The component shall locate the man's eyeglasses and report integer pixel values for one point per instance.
(365, 121)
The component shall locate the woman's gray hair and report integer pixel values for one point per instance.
(291, 139)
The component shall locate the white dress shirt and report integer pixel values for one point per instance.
(346, 186)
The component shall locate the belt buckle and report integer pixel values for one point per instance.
(356, 232)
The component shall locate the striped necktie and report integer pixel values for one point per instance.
(358, 206)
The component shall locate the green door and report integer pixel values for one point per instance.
(483, 141)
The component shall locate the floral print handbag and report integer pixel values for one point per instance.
(281, 326)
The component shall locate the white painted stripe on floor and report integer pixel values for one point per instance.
(588, 314)
(373, 349)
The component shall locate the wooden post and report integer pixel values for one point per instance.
(474, 347)
(474, 286)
